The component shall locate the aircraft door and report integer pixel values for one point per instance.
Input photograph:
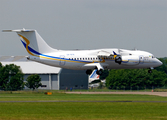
(141, 59)
(62, 60)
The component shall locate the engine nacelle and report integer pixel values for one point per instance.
(130, 60)
(118, 59)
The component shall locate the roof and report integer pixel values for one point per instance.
(29, 67)
(34, 67)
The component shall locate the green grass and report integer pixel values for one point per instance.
(81, 110)
(35, 96)
(160, 90)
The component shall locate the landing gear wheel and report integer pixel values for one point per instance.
(149, 71)
(99, 72)
(88, 72)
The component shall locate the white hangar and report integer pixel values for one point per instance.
(51, 77)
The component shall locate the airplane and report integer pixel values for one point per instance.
(94, 76)
(88, 60)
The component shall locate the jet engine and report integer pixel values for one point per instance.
(127, 60)
(118, 59)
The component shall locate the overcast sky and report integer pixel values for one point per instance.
(86, 24)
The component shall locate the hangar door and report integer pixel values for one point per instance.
(54, 82)
(44, 80)
(49, 81)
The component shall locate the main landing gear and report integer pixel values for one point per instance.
(88, 72)
(99, 72)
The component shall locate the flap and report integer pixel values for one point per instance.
(98, 65)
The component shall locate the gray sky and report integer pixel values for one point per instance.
(87, 24)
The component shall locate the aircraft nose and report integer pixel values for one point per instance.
(158, 62)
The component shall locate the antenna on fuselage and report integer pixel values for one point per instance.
(135, 49)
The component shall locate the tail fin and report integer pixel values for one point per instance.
(33, 42)
(94, 76)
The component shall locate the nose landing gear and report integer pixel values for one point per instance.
(150, 70)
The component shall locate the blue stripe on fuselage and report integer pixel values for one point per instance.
(37, 53)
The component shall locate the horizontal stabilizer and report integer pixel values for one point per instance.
(13, 58)
(19, 30)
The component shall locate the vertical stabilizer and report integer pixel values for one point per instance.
(94, 76)
(33, 42)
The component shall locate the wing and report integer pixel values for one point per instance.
(103, 53)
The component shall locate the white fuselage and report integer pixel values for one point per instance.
(85, 59)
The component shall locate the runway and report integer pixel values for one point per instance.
(162, 94)
(82, 101)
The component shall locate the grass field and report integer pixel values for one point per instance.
(84, 110)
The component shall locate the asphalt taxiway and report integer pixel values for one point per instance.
(162, 94)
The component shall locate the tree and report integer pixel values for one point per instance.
(135, 78)
(104, 75)
(33, 81)
(11, 77)
(1, 65)
(163, 67)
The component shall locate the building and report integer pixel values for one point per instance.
(53, 78)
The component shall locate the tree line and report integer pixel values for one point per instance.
(12, 78)
(133, 78)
